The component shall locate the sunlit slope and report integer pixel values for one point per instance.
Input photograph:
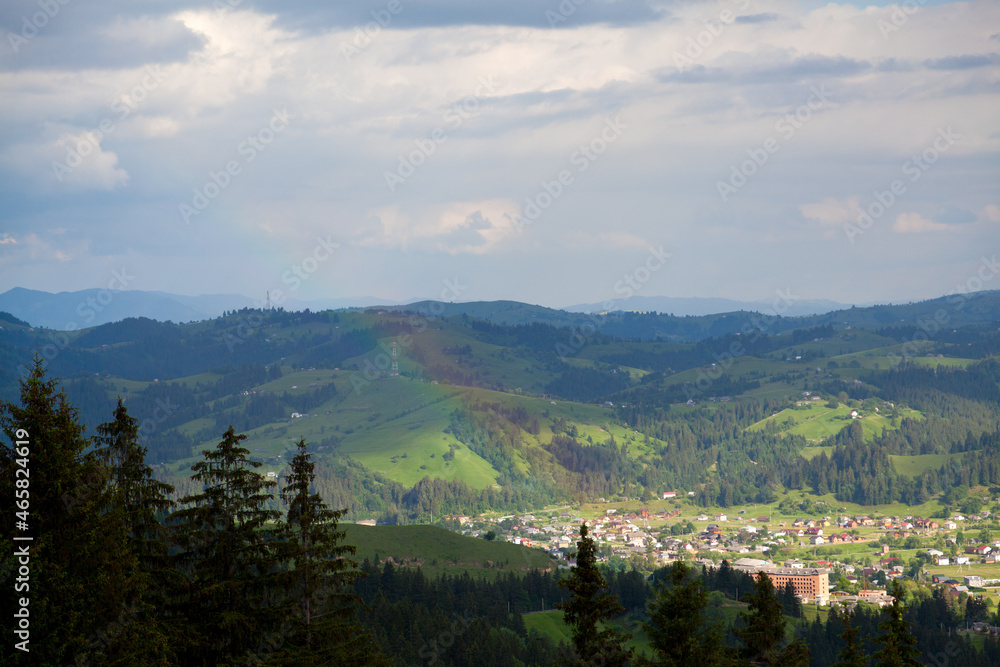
(437, 551)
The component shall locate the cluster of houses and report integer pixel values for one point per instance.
(559, 538)
(745, 541)
(629, 533)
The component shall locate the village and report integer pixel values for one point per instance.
(867, 550)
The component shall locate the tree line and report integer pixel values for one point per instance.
(121, 574)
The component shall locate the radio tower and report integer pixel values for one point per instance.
(395, 360)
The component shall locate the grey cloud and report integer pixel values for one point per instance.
(499, 115)
(806, 67)
(468, 234)
(970, 61)
(106, 35)
(758, 18)
(953, 215)
(895, 65)
(317, 15)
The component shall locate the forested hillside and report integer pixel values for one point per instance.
(484, 415)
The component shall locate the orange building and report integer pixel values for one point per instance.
(808, 582)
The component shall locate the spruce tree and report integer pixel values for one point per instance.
(763, 633)
(852, 655)
(223, 531)
(677, 628)
(590, 608)
(319, 579)
(81, 576)
(898, 645)
(137, 498)
(132, 488)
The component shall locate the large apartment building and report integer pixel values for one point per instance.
(809, 582)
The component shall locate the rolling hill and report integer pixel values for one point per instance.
(491, 415)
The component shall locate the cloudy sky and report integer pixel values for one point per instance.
(520, 149)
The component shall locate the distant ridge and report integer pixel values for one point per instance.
(93, 307)
(683, 306)
(703, 316)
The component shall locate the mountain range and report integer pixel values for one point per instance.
(93, 307)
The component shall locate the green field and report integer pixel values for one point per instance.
(551, 625)
(948, 362)
(397, 426)
(916, 465)
(990, 571)
(816, 422)
(438, 551)
(808, 453)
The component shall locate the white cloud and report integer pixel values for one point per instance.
(476, 227)
(555, 88)
(914, 223)
(74, 161)
(832, 211)
(85, 164)
(604, 240)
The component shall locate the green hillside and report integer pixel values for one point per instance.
(921, 463)
(436, 550)
(484, 415)
(816, 422)
(551, 624)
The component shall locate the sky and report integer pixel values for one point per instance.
(552, 152)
